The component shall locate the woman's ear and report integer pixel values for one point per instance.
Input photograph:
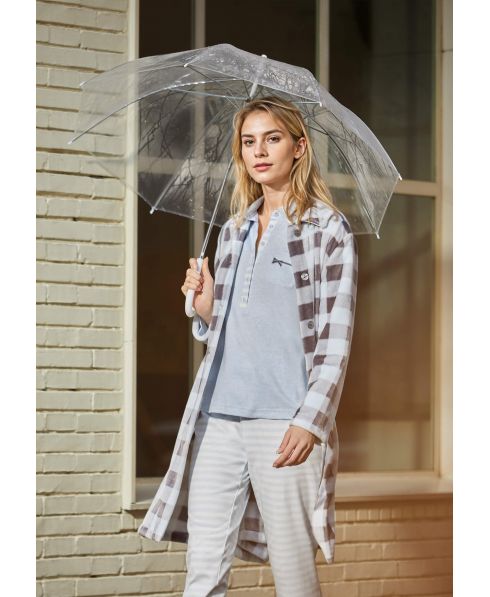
(300, 147)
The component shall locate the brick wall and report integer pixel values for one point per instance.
(84, 538)
(87, 545)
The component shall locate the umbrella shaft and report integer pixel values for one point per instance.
(215, 211)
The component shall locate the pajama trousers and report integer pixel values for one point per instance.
(231, 455)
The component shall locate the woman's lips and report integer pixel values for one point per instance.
(263, 167)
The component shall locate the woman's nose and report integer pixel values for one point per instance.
(260, 149)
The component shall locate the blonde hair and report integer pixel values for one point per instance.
(306, 184)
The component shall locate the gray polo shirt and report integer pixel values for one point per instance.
(259, 368)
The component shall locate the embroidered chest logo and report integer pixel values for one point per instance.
(279, 261)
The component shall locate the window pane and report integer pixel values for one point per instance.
(385, 417)
(163, 342)
(282, 29)
(382, 63)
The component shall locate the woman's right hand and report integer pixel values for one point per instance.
(203, 285)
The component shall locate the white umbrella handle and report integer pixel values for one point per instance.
(189, 297)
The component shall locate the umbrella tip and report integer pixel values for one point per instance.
(152, 210)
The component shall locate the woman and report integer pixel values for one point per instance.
(278, 321)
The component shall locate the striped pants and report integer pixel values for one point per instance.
(229, 456)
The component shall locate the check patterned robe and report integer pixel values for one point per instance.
(324, 258)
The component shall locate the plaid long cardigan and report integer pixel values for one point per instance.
(324, 256)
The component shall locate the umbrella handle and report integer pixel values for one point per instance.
(189, 297)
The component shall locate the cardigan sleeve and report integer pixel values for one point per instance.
(200, 329)
(338, 291)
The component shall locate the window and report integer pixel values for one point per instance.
(378, 58)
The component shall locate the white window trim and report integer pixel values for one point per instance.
(350, 487)
(128, 477)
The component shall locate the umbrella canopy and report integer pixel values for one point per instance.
(172, 116)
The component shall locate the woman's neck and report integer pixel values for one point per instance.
(269, 205)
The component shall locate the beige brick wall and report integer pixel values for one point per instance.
(87, 545)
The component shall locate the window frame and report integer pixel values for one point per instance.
(137, 493)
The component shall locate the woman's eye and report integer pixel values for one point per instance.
(273, 138)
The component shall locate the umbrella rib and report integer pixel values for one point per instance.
(346, 133)
(215, 210)
(203, 93)
(333, 136)
(214, 81)
(350, 168)
(306, 102)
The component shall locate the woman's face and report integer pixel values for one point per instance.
(265, 140)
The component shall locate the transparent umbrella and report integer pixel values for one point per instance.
(168, 119)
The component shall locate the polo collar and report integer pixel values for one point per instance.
(312, 215)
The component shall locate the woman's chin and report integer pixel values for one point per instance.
(264, 178)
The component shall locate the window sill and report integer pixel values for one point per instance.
(361, 487)
(350, 487)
